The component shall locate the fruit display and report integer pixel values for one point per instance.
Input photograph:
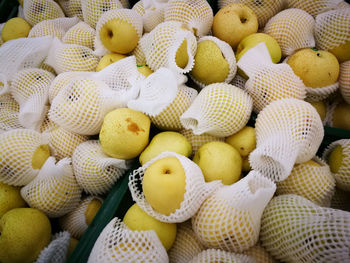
(175, 131)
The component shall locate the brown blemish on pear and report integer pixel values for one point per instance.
(133, 127)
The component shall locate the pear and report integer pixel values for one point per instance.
(320, 107)
(16, 27)
(166, 141)
(108, 59)
(244, 141)
(10, 198)
(341, 116)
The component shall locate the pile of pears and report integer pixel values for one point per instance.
(175, 87)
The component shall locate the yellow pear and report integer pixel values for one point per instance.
(219, 161)
(10, 197)
(72, 245)
(210, 65)
(244, 141)
(246, 165)
(124, 133)
(341, 116)
(24, 232)
(108, 59)
(137, 219)
(92, 210)
(164, 185)
(342, 52)
(166, 141)
(16, 27)
(144, 70)
(321, 108)
(40, 156)
(181, 57)
(336, 159)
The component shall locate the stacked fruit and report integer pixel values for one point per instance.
(84, 85)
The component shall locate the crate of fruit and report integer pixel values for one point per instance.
(174, 131)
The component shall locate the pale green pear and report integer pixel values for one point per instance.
(244, 141)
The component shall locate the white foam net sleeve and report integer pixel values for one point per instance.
(53, 27)
(196, 189)
(220, 109)
(186, 244)
(198, 140)
(70, 57)
(80, 34)
(217, 255)
(317, 94)
(268, 81)
(56, 251)
(342, 177)
(138, 53)
(128, 15)
(17, 148)
(9, 110)
(315, 183)
(239, 82)
(169, 118)
(63, 142)
(260, 254)
(22, 53)
(227, 53)
(314, 7)
(96, 172)
(152, 12)
(196, 15)
(117, 243)
(75, 221)
(94, 9)
(4, 84)
(54, 191)
(293, 29)
(81, 105)
(161, 44)
(72, 8)
(229, 219)
(47, 125)
(294, 229)
(30, 88)
(332, 28)
(288, 131)
(344, 81)
(36, 11)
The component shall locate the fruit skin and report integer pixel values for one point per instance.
(124, 133)
(72, 244)
(108, 59)
(342, 52)
(233, 23)
(137, 219)
(336, 159)
(10, 198)
(144, 70)
(252, 40)
(341, 116)
(210, 66)
(181, 57)
(119, 36)
(24, 233)
(244, 141)
(163, 185)
(92, 210)
(321, 108)
(219, 161)
(40, 156)
(14, 28)
(316, 68)
(166, 141)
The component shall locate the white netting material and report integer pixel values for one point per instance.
(117, 243)
(342, 177)
(196, 189)
(53, 27)
(169, 118)
(81, 106)
(288, 131)
(227, 53)
(75, 221)
(17, 148)
(54, 191)
(221, 256)
(344, 81)
(317, 94)
(293, 29)
(161, 44)
(332, 28)
(314, 7)
(30, 88)
(47, 68)
(264, 10)
(56, 251)
(138, 53)
(4, 84)
(72, 8)
(81, 34)
(47, 125)
(22, 53)
(293, 229)
(9, 110)
(94, 9)
(331, 107)
(268, 81)
(220, 109)
(259, 254)
(239, 82)
(229, 219)
(96, 172)
(340, 200)
(128, 15)
(70, 57)
(63, 142)
(186, 244)
(196, 15)
(315, 183)
(36, 11)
